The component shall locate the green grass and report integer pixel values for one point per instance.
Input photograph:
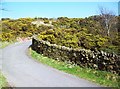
(100, 77)
(4, 44)
(3, 82)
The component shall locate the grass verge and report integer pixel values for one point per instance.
(3, 82)
(4, 44)
(100, 77)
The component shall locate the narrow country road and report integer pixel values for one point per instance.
(22, 71)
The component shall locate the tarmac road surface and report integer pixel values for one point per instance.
(22, 71)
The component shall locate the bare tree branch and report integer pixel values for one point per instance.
(107, 17)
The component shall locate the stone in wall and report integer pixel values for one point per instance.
(85, 58)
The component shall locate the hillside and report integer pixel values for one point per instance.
(88, 33)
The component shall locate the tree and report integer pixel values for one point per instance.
(107, 18)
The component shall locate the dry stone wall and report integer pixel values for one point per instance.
(85, 58)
